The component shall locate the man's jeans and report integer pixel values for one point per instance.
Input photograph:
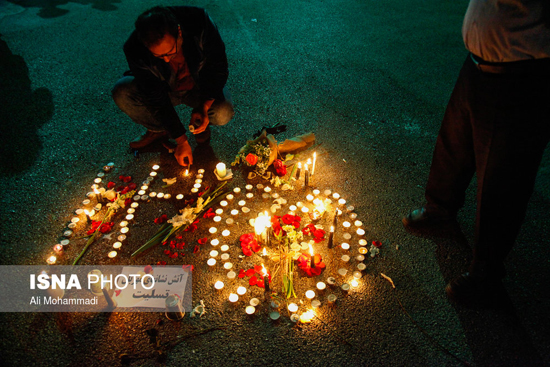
(127, 97)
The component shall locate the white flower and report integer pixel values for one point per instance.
(186, 217)
(373, 251)
(109, 194)
(199, 206)
(170, 181)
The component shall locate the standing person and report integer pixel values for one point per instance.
(176, 56)
(496, 125)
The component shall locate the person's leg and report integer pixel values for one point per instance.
(511, 132)
(453, 163)
(127, 97)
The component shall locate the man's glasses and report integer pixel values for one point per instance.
(170, 53)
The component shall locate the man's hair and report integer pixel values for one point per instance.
(154, 24)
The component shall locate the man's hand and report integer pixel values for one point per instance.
(200, 119)
(183, 154)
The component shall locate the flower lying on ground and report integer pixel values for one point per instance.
(304, 263)
(249, 244)
(256, 274)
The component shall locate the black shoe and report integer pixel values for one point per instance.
(471, 290)
(148, 138)
(424, 217)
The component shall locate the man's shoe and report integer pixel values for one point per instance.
(423, 217)
(148, 138)
(471, 290)
(204, 137)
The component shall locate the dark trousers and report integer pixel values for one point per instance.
(496, 126)
(128, 98)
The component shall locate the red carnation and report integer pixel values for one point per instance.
(209, 214)
(196, 249)
(280, 168)
(251, 159)
(111, 184)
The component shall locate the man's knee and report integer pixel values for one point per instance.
(122, 90)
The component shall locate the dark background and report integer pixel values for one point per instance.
(370, 78)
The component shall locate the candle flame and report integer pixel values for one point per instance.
(307, 316)
(264, 253)
(311, 250)
(305, 167)
(187, 172)
(264, 271)
(332, 229)
(314, 160)
(300, 165)
(308, 161)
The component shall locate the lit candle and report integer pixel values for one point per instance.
(224, 248)
(309, 197)
(58, 248)
(221, 170)
(241, 291)
(233, 298)
(331, 237)
(354, 283)
(237, 190)
(179, 196)
(223, 203)
(345, 246)
(298, 171)
(231, 275)
(186, 172)
(345, 258)
(321, 286)
(357, 274)
(117, 245)
(361, 266)
(226, 232)
(213, 253)
(314, 161)
(215, 242)
(331, 298)
(227, 266)
(361, 232)
(156, 167)
(248, 187)
(293, 307)
(234, 212)
(229, 197)
(250, 310)
(312, 258)
(266, 280)
(153, 174)
(249, 195)
(200, 171)
(217, 218)
(211, 262)
(306, 317)
(306, 176)
(219, 285)
(213, 230)
(112, 254)
(153, 194)
(310, 294)
(345, 287)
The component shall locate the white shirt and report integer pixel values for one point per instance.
(507, 30)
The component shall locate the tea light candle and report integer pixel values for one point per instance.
(112, 254)
(250, 310)
(221, 170)
(124, 223)
(234, 212)
(316, 192)
(357, 274)
(233, 298)
(245, 210)
(361, 266)
(229, 197)
(228, 266)
(217, 219)
(51, 260)
(225, 256)
(229, 221)
(75, 220)
(336, 196)
(213, 230)
(265, 196)
(68, 233)
(360, 232)
(226, 232)
(219, 285)
(259, 186)
(327, 192)
(129, 217)
(360, 258)
(64, 242)
(345, 287)
(309, 197)
(179, 196)
(131, 211)
(352, 216)
(267, 189)
(310, 294)
(345, 258)
(198, 181)
(321, 286)
(292, 208)
(71, 225)
(152, 194)
(121, 238)
(342, 271)
(249, 195)
(97, 180)
(213, 253)
(346, 224)
(79, 211)
(254, 302)
(242, 203)
(197, 186)
(315, 303)
(305, 209)
(248, 187)
(141, 192)
(58, 248)
(231, 275)
(194, 190)
(167, 196)
(345, 246)
(347, 236)
(341, 202)
(241, 291)
(331, 281)
(211, 262)
(117, 245)
(134, 205)
(144, 197)
(215, 242)
(200, 171)
(224, 248)
(299, 204)
(85, 202)
(354, 283)
(153, 174)
(237, 190)
(223, 203)
(292, 307)
(274, 195)
(124, 230)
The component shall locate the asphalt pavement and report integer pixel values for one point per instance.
(370, 78)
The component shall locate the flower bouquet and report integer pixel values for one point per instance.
(182, 221)
(263, 151)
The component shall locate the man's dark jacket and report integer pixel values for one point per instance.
(204, 52)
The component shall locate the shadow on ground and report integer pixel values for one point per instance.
(23, 112)
(50, 8)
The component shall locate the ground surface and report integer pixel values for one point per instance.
(370, 78)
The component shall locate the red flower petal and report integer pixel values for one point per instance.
(167, 252)
(253, 281)
(258, 269)
(203, 240)
(250, 272)
(196, 249)
(242, 274)
(111, 184)
(174, 255)
(180, 245)
(161, 262)
(132, 186)
(172, 245)
(377, 244)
